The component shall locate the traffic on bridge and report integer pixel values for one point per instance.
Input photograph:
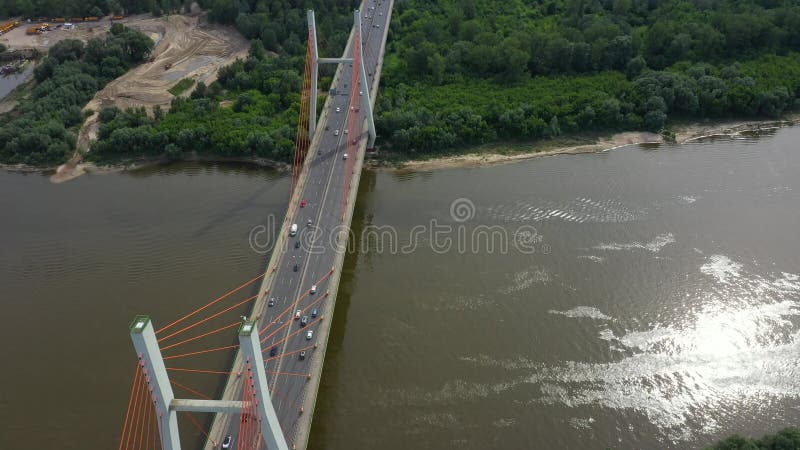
(294, 304)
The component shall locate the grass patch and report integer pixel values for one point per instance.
(181, 86)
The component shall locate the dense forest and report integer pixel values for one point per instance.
(786, 439)
(464, 72)
(42, 128)
(470, 71)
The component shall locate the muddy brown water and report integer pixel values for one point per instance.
(647, 297)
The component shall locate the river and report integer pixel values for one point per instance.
(645, 297)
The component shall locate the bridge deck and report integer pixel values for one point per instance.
(322, 183)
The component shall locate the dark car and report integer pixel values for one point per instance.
(297, 244)
(271, 302)
(295, 268)
(226, 443)
(302, 355)
(273, 351)
(314, 312)
(304, 321)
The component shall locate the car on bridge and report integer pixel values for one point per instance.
(309, 335)
(297, 314)
(302, 355)
(304, 321)
(273, 351)
(313, 289)
(271, 302)
(303, 204)
(226, 443)
(335, 132)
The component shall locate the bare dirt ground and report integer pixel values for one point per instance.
(17, 39)
(185, 48)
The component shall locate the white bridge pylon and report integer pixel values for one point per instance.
(149, 354)
(358, 46)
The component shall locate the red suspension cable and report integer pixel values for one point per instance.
(139, 430)
(134, 385)
(226, 327)
(294, 304)
(197, 425)
(200, 352)
(209, 318)
(188, 389)
(218, 299)
(135, 416)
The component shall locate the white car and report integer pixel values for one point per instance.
(297, 314)
(360, 92)
(313, 289)
(338, 109)
(345, 131)
(309, 335)
(227, 442)
(335, 132)
(344, 156)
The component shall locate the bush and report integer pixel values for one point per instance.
(67, 79)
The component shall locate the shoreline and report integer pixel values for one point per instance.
(75, 168)
(489, 154)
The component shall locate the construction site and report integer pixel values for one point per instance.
(186, 47)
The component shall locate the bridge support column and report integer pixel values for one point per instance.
(146, 345)
(251, 352)
(366, 104)
(358, 46)
(312, 30)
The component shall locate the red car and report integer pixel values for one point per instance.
(303, 204)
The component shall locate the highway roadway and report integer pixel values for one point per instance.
(312, 262)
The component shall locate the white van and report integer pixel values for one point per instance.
(293, 230)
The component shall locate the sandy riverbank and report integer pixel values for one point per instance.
(498, 154)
